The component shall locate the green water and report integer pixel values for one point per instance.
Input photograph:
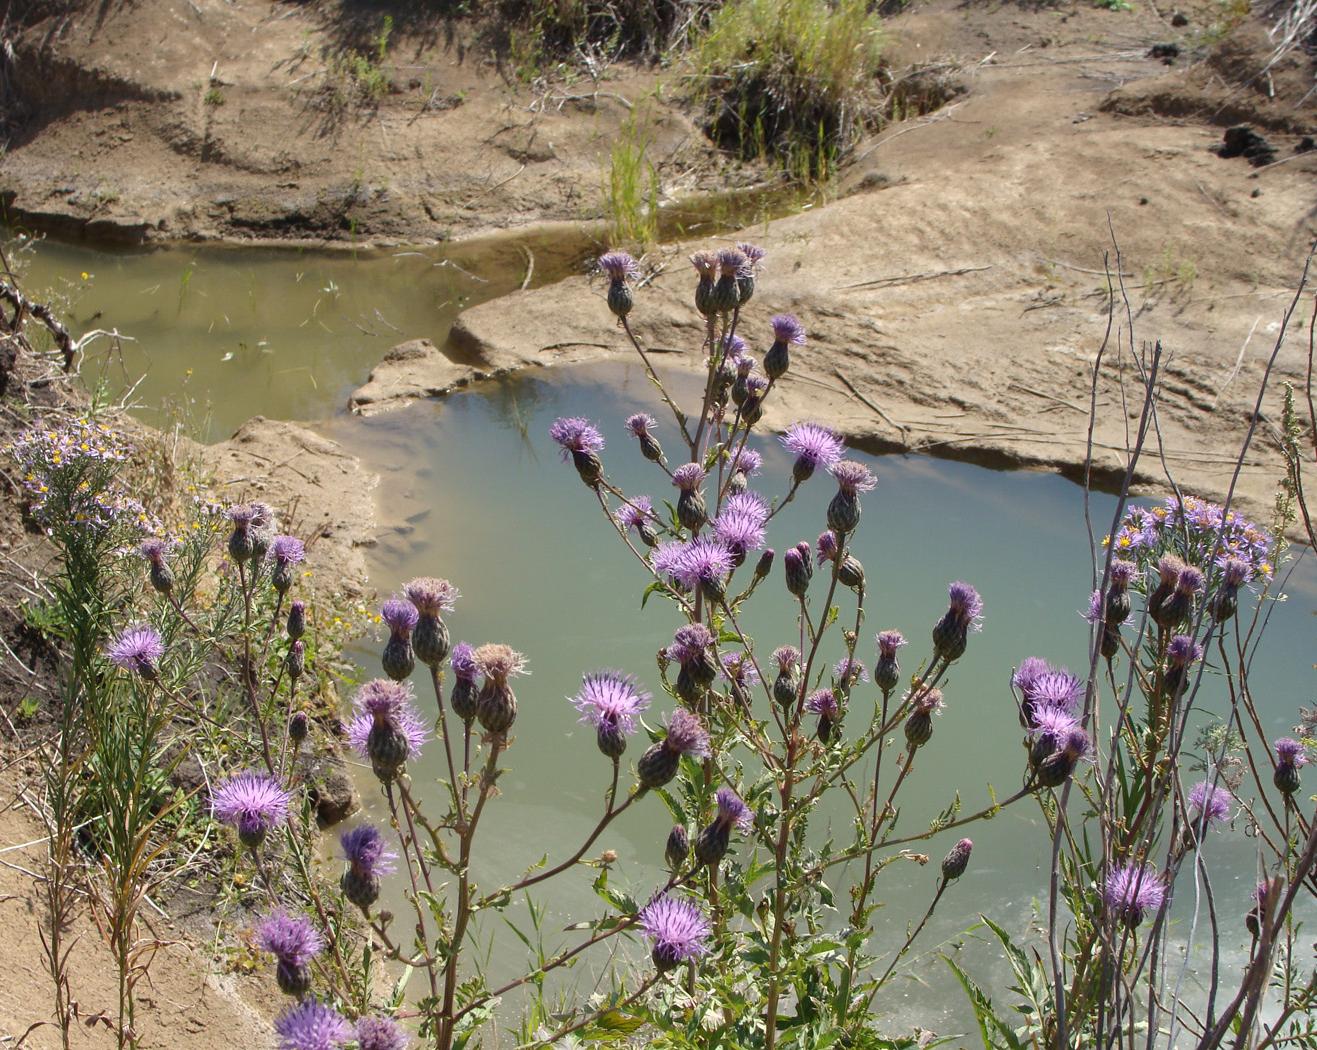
(484, 500)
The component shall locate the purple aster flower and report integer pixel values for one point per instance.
(1183, 650)
(1130, 891)
(739, 669)
(827, 546)
(823, 702)
(849, 670)
(382, 1033)
(740, 530)
(637, 510)
(787, 657)
(787, 329)
(253, 803)
(611, 698)
(641, 423)
(689, 477)
(365, 849)
(747, 462)
(705, 560)
(287, 550)
(686, 735)
(618, 266)
(676, 929)
(852, 477)
(294, 942)
(430, 595)
(888, 643)
(138, 649)
(400, 615)
(576, 434)
(748, 503)
(388, 705)
(1209, 802)
(463, 661)
(310, 1025)
(813, 446)
(689, 643)
(1290, 752)
(732, 811)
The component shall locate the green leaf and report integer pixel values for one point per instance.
(990, 1025)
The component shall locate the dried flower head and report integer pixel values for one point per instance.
(849, 670)
(431, 595)
(500, 662)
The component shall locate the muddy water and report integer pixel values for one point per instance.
(484, 500)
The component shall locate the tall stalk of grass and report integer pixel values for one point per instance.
(631, 195)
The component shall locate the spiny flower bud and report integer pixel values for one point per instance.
(678, 847)
(241, 545)
(964, 611)
(711, 844)
(844, 511)
(786, 330)
(618, 267)
(431, 596)
(765, 564)
(297, 620)
(797, 572)
(957, 860)
(705, 263)
(686, 736)
(745, 277)
(497, 705)
(850, 573)
(466, 693)
(299, 727)
(296, 661)
(887, 672)
(918, 729)
(159, 573)
(1290, 756)
(726, 294)
(581, 442)
(398, 658)
(285, 552)
(786, 686)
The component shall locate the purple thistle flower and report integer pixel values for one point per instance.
(1096, 607)
(1209, 801)
(665, 557)
(636, 510)
(748, 503)
(689, 643)
(138, 649)
(366, 850)
(787, 657)
(287, 550)
(740, 530)
(641, 423)
(853, 477)
(734, 347)
(686, 735)
(1031, 667)
(787, 329)
(823, 702)
(154, 550)
(463, 661)
(676, 929)
(754, 254)
(745, 364)
(849, 669)
(1183, 650)
(253, 803)
(618, 266)
(576, 434)
(381, 1033)
(965, 605)
(400, 615)
(292, 939)
(310, 1025)
(1235, 572)
(731, 810)
(1123, 573)
(813, 446)
(755, 385)
(733, 263)
(888, 643)
(385, 703)
(827, 546)
(430, 595)
(243, 515)
(1190, 581)
(611, 698)
(1059, 689)
(739, 669)
(1132, 890)
(1290, 752)
(747, 462)
(704, 560)
(689, 477)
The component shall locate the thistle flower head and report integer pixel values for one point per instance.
(734, 347)
(386, 703)
(431, 595)
(849, 669)
(611, 698)
(686, 735)
(738, 668)
(463, 661)
(689, 642)
(740, 530)
(787, 329)
(676, 929)
(965, 605)
(499, 662)
(689, 477)
(1059, 689)
(1290, 752)
(749, 503)
(381, 1033)
(705, 263)
(1190, 581)
(748, 462)
(365, 848)
(1209, 800)
(253, 803)
(618, 266)
(636, 510)
(733, 263)
(957, 859)
(787, 657)
(576, 434)
(704, 559)
(1183, 650)
(400, 615)
(154, 550)
(731, 810)
(665, 557)
(1131, 891)
(827, 546)
(137, 649)
(1235, 572)
(927, 699)
(1169, 568)
(243, 515)
(287, 550)
(1053, 726)
(823, 702)
(292, 939)
(641, 423)
(745, 364)
(754, 254)
(311, 1025)
(814, 445)
(1030, 669)
(888, 643)
(755, 384)
(852, 477)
